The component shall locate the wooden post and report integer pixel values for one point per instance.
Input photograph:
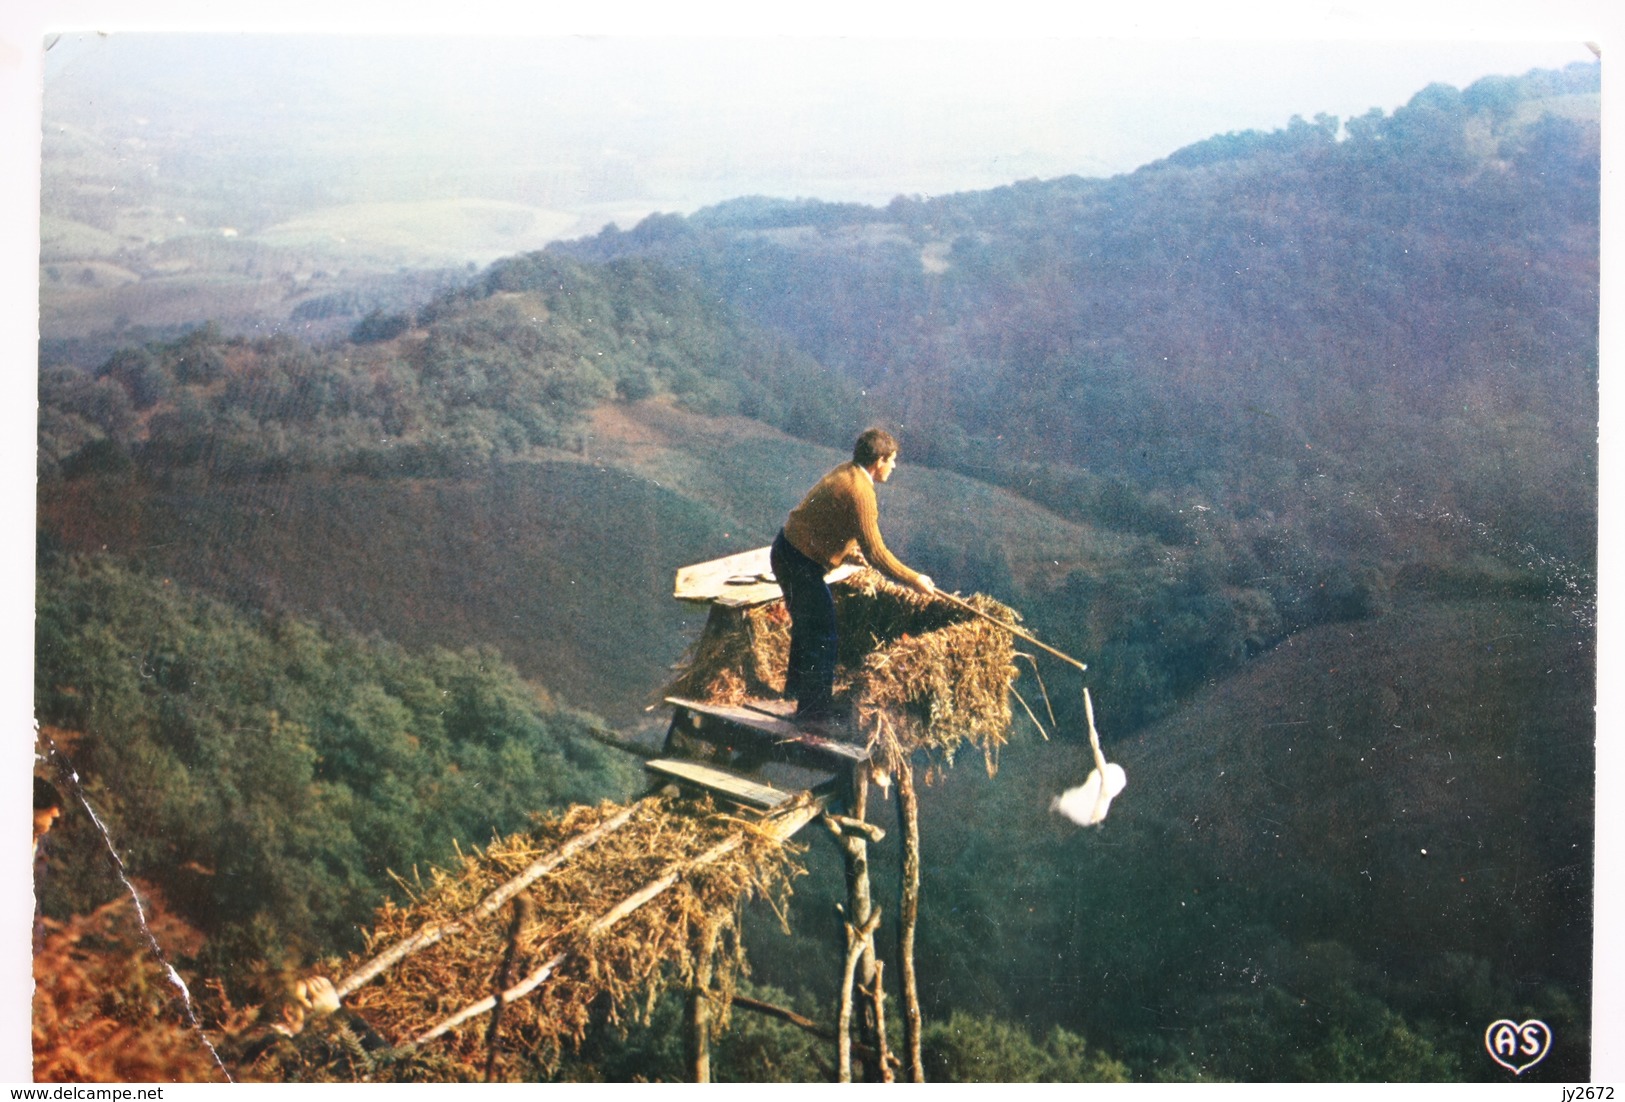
(857, 938)
(867, 917)
(877, 1000)
(699, 1006)
(908, 912)
(861, 918)
(504, 977)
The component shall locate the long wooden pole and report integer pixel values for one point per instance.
(908, 915)
(1011, 628)
(432, 932)
(781, 827)
(602, 923)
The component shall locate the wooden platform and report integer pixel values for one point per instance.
(729, 785)
(761, 730)
(738, 581)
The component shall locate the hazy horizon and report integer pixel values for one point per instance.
(608, 129)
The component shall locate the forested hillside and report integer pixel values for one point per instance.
(266, 774)
(1291, 435)
(348, 479)
(1315, 364)
(1402, 304)
(1332, 865)
(511, 362)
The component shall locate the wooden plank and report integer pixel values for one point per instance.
(787, 740)
(786, 822)
(706, 580)
(743, 580)
(729, 785)
(748, 594)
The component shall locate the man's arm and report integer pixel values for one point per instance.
(874, 547)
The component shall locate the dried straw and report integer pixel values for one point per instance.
(917, 672)
(742, 653)
(604, 972)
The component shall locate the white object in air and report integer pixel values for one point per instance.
(1088, 803)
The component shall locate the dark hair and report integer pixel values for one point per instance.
(45, 794)
(873, 446)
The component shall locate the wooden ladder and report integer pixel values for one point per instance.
(722, 750)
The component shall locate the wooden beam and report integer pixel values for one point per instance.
(757, 725)
(432, 932)
(842, 824)
(610, 738)
(720, 782)
(823, 1033)
(743, 580)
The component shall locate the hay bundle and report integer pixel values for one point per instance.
(616, 969)
(917, 672)
(741, 654)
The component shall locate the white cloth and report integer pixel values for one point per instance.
(1088, 803)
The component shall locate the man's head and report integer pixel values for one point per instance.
(47, 808)
(873, 446)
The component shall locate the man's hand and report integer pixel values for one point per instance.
(924, 584)
(317, 995)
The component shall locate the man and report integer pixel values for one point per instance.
(837, 517)
(47, 810)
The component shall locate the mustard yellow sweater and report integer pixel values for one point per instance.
(839, 515)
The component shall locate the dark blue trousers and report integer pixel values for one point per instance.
(811, 677)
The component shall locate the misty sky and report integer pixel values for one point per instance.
(612, 127)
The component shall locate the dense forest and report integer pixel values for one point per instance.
(1288, 433)
(1253, 311)
(268, 772)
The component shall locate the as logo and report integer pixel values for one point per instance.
(1518, 1047)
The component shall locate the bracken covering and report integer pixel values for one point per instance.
(105, 1011)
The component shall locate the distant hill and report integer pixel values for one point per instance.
(1400, 304)
(514, 556)
(1273, 380)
